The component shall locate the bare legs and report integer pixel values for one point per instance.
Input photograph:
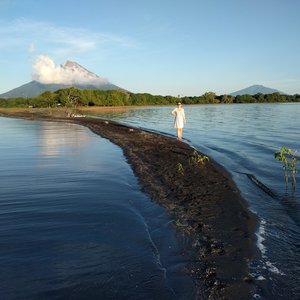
(179, 134)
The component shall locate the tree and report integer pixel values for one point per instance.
(210, 97)
(259, 97)
(244, 99)
(226, 99)
(70, 97)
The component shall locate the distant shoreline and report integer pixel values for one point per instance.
(206, 206)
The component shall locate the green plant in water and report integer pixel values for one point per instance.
(288, 157)
(180, 168)
(198, 158)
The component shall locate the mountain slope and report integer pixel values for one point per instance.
(255, 89)
(71, 74)
(34, 88)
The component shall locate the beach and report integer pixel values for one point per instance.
(208, 211)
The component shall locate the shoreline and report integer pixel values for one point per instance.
(204, 202)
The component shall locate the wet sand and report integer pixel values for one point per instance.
(212, 220)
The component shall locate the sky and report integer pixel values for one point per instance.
(162, 47)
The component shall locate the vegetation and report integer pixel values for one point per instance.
(198, 158)
(288, 157)
(72, 97)
(179, 168)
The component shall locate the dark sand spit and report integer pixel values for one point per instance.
(209, 214)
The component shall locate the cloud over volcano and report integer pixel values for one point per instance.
(45, 71)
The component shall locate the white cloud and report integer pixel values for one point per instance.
(56, 40)
(45, 71)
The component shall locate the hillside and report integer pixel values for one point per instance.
(256, 89)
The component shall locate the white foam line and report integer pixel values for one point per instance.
(260, 244)
(260, 237)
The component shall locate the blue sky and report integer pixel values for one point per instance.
(167, 47)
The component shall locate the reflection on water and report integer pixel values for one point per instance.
(244, 138)
(53, 141)
(74, 224)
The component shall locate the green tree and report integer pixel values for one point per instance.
(244, 99)
(70, 97)
(210, 97)
(226, 99)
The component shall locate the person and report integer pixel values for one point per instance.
(180, 119)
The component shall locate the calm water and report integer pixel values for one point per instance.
(244, 138)
(74, 223)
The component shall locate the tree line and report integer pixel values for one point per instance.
(73, 97)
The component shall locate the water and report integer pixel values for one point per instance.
(74, 223)
(244, 138)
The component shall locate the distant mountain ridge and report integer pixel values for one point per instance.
(256, 89)
(80, 78)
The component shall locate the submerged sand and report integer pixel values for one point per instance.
(212, 219)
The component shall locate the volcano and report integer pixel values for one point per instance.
(73, 75)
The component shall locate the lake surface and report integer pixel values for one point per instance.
(74, 223)
(243, 139)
